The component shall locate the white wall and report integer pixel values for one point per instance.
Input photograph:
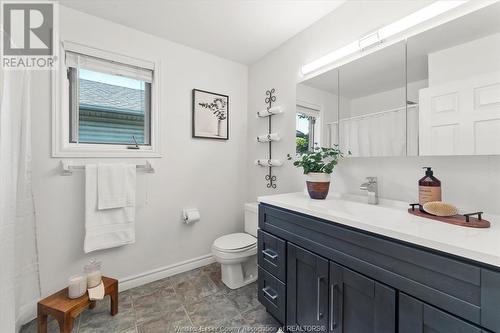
(465, 60)
(473, 183)
(208, 174)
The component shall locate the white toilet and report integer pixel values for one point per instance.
(237, 253)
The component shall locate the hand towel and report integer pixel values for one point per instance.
(110, 227)
(96, 293)
(111, 186)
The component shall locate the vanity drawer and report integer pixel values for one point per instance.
(271, 254)
(437, 279)
(271, 294)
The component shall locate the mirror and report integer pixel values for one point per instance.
(317, 112)
(438, 93)
(454, 77)
(372, 116)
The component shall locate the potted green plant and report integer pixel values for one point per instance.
(318, 165)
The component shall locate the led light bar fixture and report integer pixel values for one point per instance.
(407, 22)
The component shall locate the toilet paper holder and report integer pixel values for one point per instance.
(190, 215)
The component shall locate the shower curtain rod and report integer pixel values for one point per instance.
(374, 114)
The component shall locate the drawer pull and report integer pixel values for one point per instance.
(273, 295)
(270, 254)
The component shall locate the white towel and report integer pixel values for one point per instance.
(97, 292)
(110, 227)
(111, 186)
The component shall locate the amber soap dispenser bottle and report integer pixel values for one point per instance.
(429, 188)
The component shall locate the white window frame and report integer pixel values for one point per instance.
(61, 145)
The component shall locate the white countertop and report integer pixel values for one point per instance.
(391, 219)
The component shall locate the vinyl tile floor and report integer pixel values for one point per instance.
(194, 301)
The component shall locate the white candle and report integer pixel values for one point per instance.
(93, 279)
(77, 286)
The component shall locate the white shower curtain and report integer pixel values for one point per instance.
(19, 277)
(381, 134)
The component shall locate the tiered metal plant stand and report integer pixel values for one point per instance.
(270, 178)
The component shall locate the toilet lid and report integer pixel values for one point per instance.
(235, 241)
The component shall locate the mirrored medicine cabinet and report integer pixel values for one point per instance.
(436, 93)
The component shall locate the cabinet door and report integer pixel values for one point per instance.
(307, 289)
(417, 317)
(359, 304)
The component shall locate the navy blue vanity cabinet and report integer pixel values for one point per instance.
(271, 259)
(323, 296)
(307, 290)
(351, 280)
(360, 304)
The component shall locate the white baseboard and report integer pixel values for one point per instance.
(163, 272)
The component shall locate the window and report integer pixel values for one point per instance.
(110, 103)
(105, 104)
(307, 129)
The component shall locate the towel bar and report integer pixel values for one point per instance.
(67, 167)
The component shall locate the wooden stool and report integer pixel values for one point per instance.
(65, 309)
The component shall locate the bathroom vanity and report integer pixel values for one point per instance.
(342, 266)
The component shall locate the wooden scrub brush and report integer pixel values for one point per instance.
(439, 208)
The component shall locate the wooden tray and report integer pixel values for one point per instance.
(456, 219)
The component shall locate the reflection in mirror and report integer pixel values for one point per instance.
(317, 112)
(372, 111)
(454, 76)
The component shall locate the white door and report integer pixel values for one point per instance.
(461, 117)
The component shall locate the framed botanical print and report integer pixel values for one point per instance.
(210, 115)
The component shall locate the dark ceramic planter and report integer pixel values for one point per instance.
(318, 185)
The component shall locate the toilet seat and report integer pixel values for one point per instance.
(234, 256)
(237, 242)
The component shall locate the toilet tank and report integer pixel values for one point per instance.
(251, 218)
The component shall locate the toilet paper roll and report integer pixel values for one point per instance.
(191, 215)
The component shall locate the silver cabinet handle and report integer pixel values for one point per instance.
(270, 253)
(318, 311)
(333, 305)
(268, 294)
(332, 295)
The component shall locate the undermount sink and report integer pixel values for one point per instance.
(355, 207)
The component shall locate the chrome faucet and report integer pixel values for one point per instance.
(371, 188)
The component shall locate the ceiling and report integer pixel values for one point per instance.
(240, 30)
(385, 69)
